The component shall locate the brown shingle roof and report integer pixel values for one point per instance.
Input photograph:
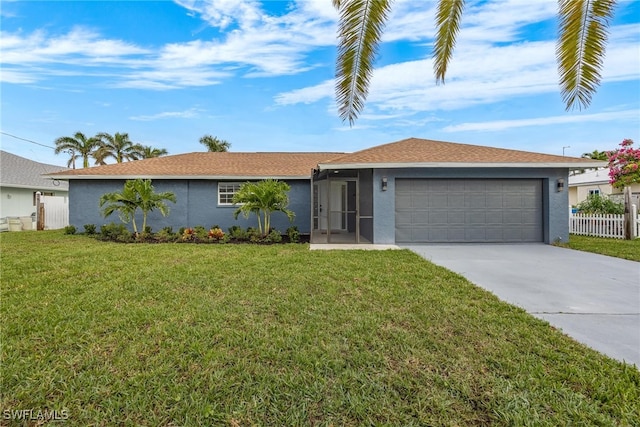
(424, 151)
(228, 164)
(411, 152)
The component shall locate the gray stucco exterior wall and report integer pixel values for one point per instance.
(555, 204)
(196, 204)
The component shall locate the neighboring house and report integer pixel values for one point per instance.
(414, 190)
(582, 185)
(20, 179)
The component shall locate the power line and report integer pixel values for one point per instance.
(28, 140)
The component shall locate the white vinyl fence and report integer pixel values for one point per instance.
(603, 225)
(53, 212)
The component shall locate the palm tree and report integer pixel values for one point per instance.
(580, 48)
(136, 194)
(266, 196)
(596, 155)
(214, 144)
(118, 146)
(79, 146)
(148, 152)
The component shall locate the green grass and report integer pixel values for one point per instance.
(189, 335)
(626, 249)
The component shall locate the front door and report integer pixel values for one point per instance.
(335, 214)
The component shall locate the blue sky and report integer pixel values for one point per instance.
(260, 75)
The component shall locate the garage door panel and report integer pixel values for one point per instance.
(494, 216)
(470, 185)
(475, 218)
(403, 218)
(456, 217)
(403, 200)
(403, 234)
(454, 235)
(419, 201)
(438, 199)
(455, 200)
(419, 217)
(469, 210)
(439, 217)
(475, 235)
(474, 200)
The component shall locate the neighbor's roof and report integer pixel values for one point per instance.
(598, 176)
(226, 165)
(19, 172)
(415, 152)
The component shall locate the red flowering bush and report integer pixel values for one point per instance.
(624, 165)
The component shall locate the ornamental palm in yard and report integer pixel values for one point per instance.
(136, 194)
(263, 198)
(580, 49)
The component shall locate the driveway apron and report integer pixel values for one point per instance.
(593, 298)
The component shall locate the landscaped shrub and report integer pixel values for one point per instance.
(293, 234)
(238, 233)
(255, 236)
(216, 234)
(188, 234)
(70, 229)
(166, 235)
(201, 233)
(273, 237)
(599, 204)
(90, 229)
(115, 233)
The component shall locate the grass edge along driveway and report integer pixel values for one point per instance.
(625, 249)
(180, 334)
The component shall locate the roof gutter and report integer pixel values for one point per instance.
(459, 165)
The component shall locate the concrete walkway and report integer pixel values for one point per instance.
(593, 298)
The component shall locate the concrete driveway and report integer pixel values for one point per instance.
(593, 298)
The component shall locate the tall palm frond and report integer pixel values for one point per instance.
(360, 30)
(581, 48)
(148, 152)
(118, 146)
(78, 146)
(448, 20)
(215, 144)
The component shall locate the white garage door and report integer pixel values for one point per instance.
(468, 210)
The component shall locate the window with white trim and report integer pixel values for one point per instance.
(594, 192)
(226, 190)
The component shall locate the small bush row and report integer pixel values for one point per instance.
(120, 233)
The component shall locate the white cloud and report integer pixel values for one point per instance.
(306, 95)
(480, 73)
(188, 114)
(499, 125)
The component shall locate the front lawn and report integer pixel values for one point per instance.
(627, 249)
(189, 335)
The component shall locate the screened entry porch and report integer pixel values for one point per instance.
(342, 208)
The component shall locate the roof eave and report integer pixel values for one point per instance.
(183, 177)
(35, 187)
(458, 165)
